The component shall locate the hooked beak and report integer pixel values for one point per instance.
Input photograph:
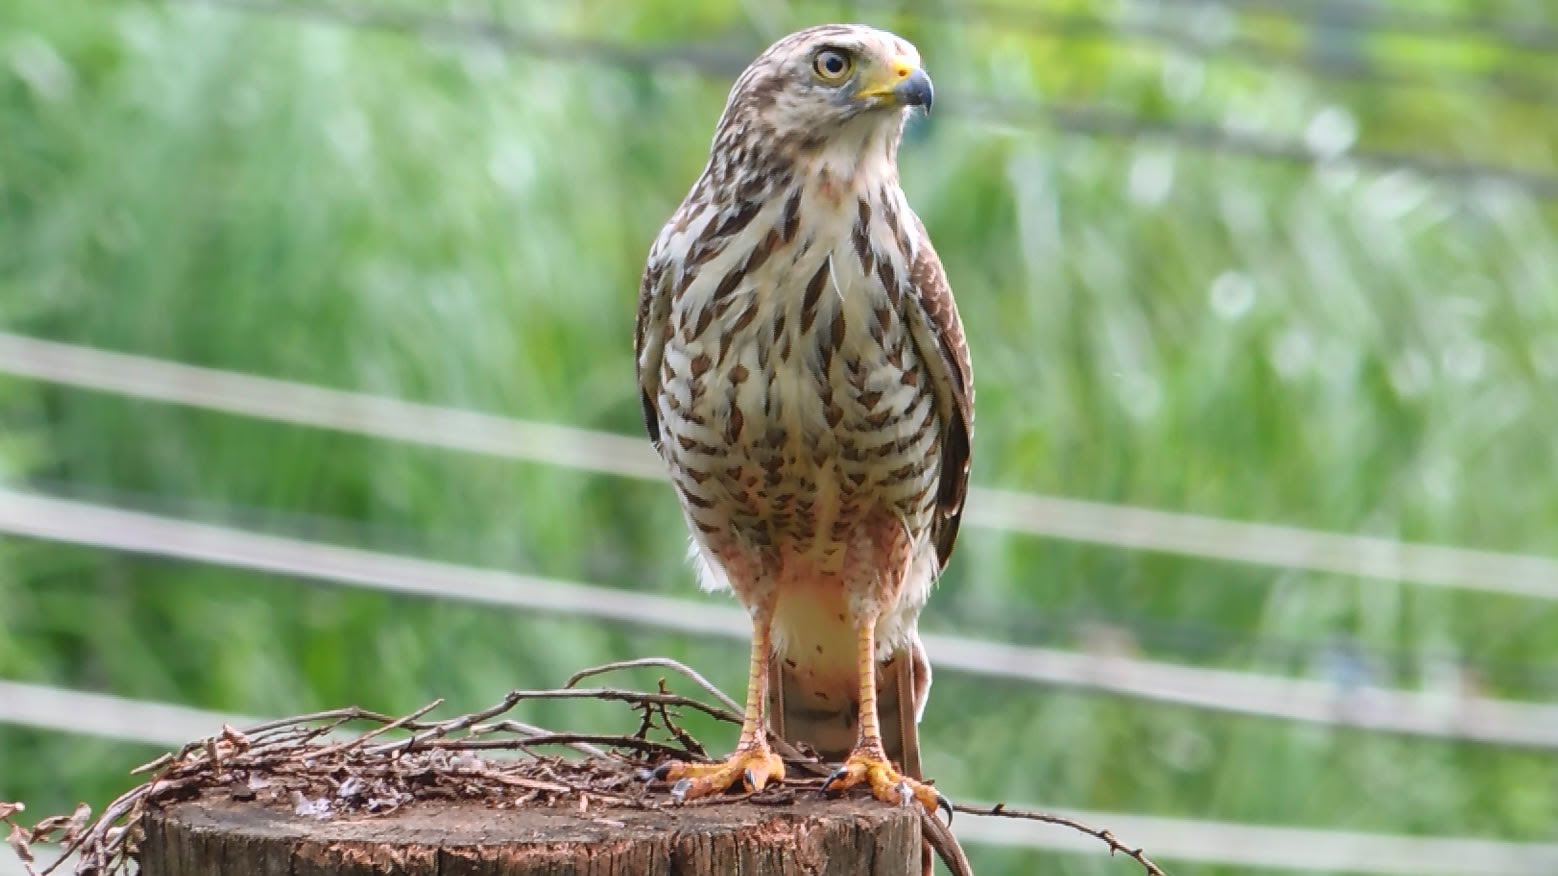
(915, 90)
(903, 84)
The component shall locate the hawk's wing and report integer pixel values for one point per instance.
(654, 314)
(937, 333)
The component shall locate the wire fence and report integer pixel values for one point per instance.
(1186, 37)
(1118, 526)
(1396, 19)
(724, 62)
(1449, 715)
(1118, 627)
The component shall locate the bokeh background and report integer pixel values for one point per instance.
(1286, 263)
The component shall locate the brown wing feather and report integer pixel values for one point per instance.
(654, 308)
(938, 334)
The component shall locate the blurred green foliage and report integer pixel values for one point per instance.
(1153, 322)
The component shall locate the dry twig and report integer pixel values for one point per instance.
(1000, 810)
(318, 768)
(666, 663)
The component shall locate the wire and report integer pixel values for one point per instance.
(1103, 122)
(1395, 18)
(718, 61)
(1191, 840)
(1173, 640)
(1231, 49)
(126, 720)
(1119, 526)
(1430, 715)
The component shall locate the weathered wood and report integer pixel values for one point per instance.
(812, 836)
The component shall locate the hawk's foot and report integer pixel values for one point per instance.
(755, 766)
(887, 783)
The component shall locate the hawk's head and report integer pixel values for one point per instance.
(819, 84)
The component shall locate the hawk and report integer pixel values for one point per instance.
(806, 380)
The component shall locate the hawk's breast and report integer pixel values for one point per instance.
(793, 400)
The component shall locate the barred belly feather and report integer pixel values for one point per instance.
(798, 420)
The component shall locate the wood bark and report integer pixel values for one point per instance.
(816, 837)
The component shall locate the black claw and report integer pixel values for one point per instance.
(943, 803)
(749, 780)
(663, 771)
(841, 772)
(680, 789)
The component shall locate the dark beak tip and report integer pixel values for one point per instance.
(916, 90)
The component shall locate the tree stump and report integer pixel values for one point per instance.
(845, 837)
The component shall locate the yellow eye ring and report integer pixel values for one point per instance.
(832, 64)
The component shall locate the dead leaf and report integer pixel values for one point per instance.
(77, 823)
(19, 844)
(235, 737)
(46, 828)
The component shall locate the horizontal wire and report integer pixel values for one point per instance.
(1393, 19)
(1454, 716)
(1092, 121)
(142, 722)
(1169, 639)
(1231, 49)
(1183, 839)
(1119, 526)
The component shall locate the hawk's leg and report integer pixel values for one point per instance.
(753, 763)
(868, 763)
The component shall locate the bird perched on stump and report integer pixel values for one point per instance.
(806, 379)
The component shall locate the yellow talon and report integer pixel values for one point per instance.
(755, 767)
(887, 783)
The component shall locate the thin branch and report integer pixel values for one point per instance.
(999, 810)
(664, 662)
(379, 731)
(511, 726)
(350, 713)
(647, 746)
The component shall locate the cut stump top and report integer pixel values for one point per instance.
(809, 835)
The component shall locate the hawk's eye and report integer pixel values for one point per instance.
(832, 64)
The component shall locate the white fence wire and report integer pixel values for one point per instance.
(1121, 526)
(1443, 715)
(1447, 715)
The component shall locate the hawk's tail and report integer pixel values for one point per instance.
(829, 720)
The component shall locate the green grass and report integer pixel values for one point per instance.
(1354, 350)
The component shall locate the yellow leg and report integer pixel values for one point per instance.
(865, 665)
(753, 763)
(868, 763)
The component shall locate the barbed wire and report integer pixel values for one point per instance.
(1117, 525)
(1116, 626)
(1107, 123)
(1446, 714)
(1395, 18)
(1232, 49)
(723, 61)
